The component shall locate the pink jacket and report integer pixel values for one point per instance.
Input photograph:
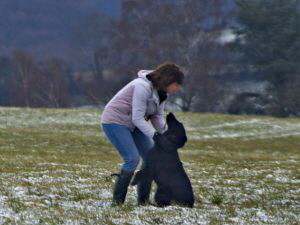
(132, 103)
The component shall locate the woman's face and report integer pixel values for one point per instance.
(173, 87)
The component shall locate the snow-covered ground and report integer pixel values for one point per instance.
(53, 187)
(252, 128)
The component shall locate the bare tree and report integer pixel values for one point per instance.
(38, 85)
(92, 48)
(286, 101)
(52, 90)
(23, 79)
(184, 32)
(293, 95)
(149, 33)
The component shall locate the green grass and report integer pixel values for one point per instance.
(55, 168)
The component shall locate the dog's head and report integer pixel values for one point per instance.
(176, 132)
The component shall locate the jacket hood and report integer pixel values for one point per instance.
(144, 73)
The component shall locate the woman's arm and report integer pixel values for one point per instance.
(158, 120)
(139, 106)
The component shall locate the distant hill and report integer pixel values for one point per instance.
(44, 26)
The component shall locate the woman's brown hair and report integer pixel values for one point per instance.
(166, 74)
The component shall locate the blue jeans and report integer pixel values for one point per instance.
(130, 145)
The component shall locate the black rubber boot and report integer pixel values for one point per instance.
(143, 191)
(121, 186)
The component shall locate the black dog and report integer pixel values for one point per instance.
(163, 165)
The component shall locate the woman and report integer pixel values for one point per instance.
(125, 120)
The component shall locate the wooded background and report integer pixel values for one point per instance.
(240, 57)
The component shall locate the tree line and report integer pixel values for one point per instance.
(107, 52)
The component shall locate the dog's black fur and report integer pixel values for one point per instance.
(163, 165)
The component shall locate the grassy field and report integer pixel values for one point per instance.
(55, 168)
